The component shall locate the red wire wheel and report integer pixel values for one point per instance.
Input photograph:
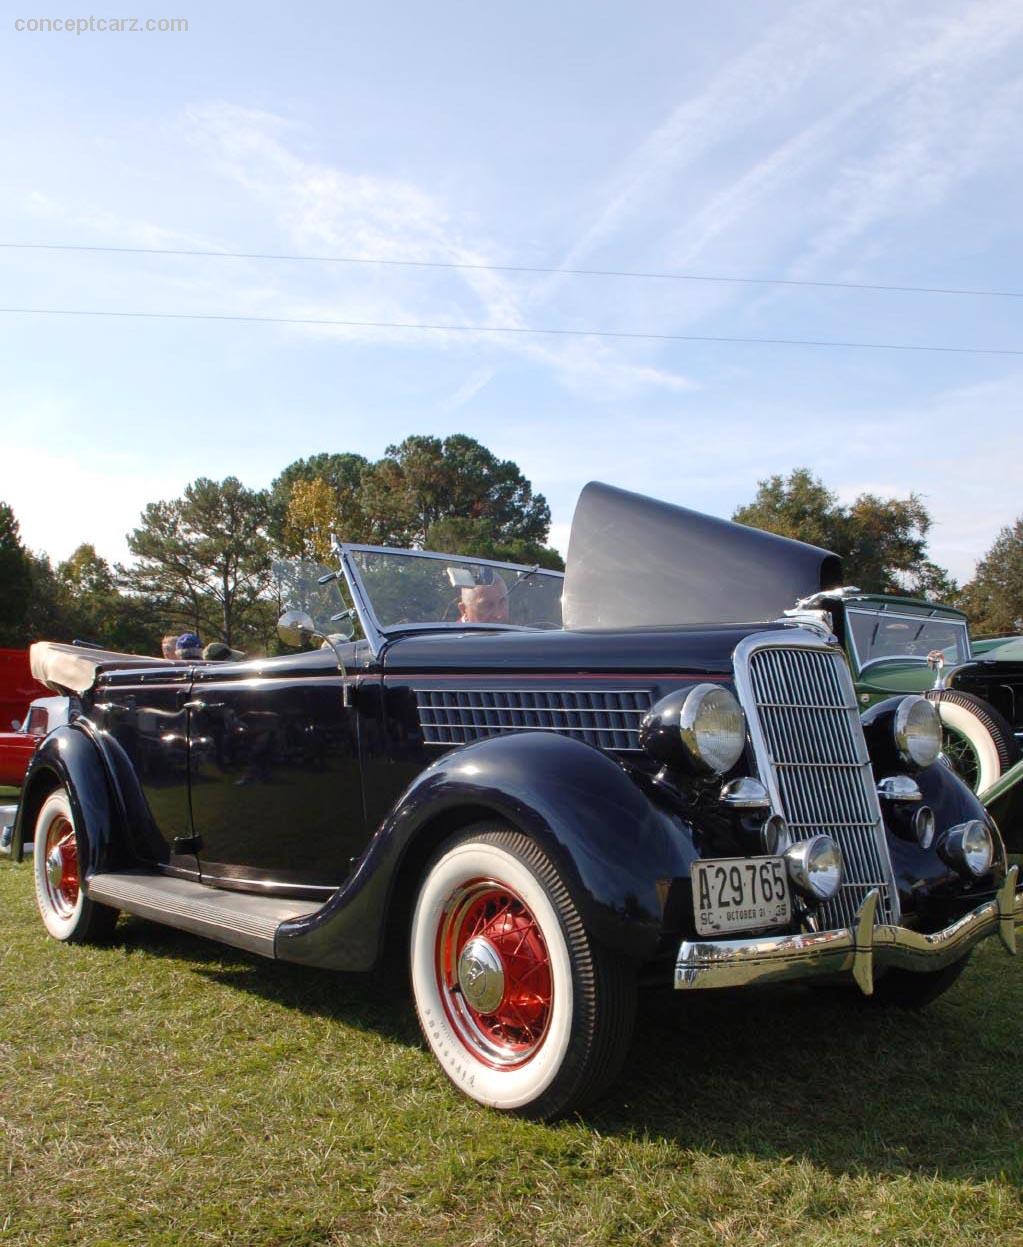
(61, 867)
(494, 974)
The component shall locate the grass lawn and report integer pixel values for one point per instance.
(164, 1090)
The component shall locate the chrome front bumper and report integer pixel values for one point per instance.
(859, 950)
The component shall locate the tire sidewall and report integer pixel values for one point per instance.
(61, 927)
(499, 1088)
(962, 719)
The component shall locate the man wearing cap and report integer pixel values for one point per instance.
(188, 645)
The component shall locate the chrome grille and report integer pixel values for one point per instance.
(813, 757)
(607, 718)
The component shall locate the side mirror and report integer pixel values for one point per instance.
(16, 725)
(296, 628)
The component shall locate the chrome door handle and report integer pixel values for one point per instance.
(194, 705)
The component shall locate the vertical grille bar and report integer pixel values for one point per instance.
(812, 754)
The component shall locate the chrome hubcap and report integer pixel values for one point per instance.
(55, 868)
(481, 975)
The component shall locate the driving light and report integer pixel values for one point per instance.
(917, 731)
(815, 867)
(713, 728)
(969, 847)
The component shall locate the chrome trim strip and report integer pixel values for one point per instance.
(797, 639)
(859, 951)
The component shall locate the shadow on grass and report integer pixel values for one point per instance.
(770, 1073)
(361, 1000)
(830, 1076)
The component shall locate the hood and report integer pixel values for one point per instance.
(634, 562)
(1010, 650)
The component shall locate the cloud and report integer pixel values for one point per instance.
(322, 209)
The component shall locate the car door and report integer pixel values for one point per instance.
(144, 715)
(274, 772)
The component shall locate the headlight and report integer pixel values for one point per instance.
(969, 847)
(815, 867)
(917, 731)
(713, 728)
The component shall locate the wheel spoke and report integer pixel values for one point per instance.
(501, 1020)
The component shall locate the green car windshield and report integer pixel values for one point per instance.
(879, 635)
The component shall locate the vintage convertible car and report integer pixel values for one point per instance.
(539, 793)
(907, 645)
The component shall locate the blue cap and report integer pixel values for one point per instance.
(188, 640)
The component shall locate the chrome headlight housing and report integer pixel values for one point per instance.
(917, 729)
(969, 847)
(713, 728)
(815, 867)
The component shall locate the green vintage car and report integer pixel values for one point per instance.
(899, 645)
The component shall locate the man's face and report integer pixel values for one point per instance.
(167, 645)
(485, 603)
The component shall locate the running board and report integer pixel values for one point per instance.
(242, 919)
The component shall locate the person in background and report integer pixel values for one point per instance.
(168, 645)
(485, 603)
(217, 651)
(188, 645)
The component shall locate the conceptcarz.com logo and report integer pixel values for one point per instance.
(102, 25)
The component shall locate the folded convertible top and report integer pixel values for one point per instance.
(634, 562)
(73, 668)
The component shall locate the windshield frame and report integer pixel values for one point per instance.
(878, 611)
(378, 635)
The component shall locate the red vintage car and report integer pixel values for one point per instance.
(17, 686)
(17, 747)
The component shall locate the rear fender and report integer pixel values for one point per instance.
(616, 851)
(70, 757)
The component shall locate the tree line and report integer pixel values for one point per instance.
(203, 561)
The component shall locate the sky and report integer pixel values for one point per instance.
(821, 141)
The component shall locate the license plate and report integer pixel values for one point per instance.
(740, 894)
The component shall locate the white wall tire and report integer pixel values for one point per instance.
(522, 1010)
(979, 744)
(67, 913)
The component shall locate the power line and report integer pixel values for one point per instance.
(520, 268)
(513, 329)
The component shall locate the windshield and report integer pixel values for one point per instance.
(296, 583)
(884, 634)
(416, 588)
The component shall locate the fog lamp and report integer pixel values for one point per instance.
(969, 847)
(815, 867)
(713, 728)
(917, 730)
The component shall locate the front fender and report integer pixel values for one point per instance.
(616, 851)
(70, 757)
(1004, 802)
